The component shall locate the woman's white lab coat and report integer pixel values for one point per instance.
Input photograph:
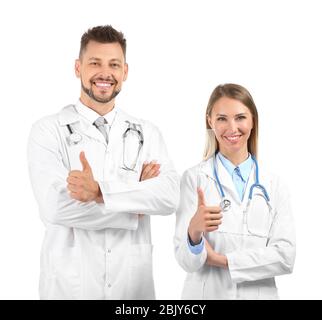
(90, 250)
(253, 262)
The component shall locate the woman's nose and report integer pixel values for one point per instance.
(232, 125)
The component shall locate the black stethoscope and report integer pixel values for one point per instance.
(76, 138)
(136, 128)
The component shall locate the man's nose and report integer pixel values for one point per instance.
(105, 71)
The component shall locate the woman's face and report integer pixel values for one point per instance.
(232, 123)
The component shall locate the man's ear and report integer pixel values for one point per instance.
(77, 68)
(126, 70)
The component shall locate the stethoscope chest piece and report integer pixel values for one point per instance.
(225, 205)
(75, 138)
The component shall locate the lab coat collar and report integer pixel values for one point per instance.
(68, 115)
(87, 113)
(82, 125)
(75, 112)
(224, 177)
(244, 168)
(207, 167)
(91, 115)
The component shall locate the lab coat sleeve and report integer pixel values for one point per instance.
(156, 196)
(278, 256)
(48, 178)
(188, 260)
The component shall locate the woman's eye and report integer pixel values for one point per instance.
(221, 119)
(241, 118)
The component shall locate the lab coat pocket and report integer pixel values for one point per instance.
(66, 281)
(193, 290)
(141, 277)
(95, 153)
(73, 152)
(248, 290)
(268, 293)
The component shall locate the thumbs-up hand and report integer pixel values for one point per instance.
(206, 219)
(81, 184)
(85, 164)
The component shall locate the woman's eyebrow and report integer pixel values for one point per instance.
(220, 115)
(241, 114)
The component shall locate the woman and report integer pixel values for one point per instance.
(233, 237)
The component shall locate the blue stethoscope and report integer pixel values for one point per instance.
(225, 203)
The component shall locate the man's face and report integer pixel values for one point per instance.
(102, 70)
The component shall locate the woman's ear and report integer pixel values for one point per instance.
(209, 121)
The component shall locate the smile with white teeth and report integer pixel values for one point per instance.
(103, 84)
(232, 138)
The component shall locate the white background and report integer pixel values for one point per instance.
(178, 51)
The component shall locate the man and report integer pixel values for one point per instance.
(98, 174)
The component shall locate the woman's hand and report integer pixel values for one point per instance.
(206, 219)
(214, 258)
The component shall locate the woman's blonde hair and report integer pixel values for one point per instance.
(237, 92)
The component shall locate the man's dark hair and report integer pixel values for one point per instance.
(102, 34)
